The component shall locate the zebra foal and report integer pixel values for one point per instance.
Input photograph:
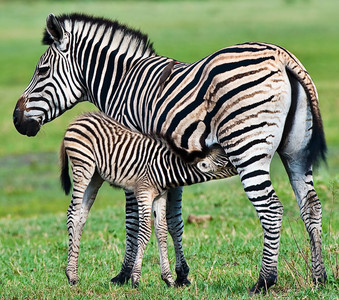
(100, 149)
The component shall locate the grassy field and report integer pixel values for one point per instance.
(224, 253)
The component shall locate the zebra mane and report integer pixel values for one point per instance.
(109, 24)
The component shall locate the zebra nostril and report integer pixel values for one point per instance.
(15, 117)
(17, 114)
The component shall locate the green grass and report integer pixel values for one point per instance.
(224, 254)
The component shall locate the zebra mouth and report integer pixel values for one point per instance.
(32, 127)
(29, 127)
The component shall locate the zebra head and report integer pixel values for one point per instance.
(55, 85)
(216, 162)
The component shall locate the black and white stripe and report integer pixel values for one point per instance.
(254, 99)
(101, 149)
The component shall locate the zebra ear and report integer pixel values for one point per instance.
(54, 28)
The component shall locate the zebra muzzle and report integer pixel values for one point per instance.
(24, 125)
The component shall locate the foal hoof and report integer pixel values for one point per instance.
(321, 279)
(72, 279)
(135, 283)
(169, 281)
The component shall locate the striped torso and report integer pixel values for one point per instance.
(125, 158)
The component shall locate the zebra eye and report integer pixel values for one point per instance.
(204, 166)
(42, 71)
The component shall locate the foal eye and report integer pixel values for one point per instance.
(42, 71)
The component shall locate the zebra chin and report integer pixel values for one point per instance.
(29, 127)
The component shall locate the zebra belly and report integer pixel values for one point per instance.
(118, 179)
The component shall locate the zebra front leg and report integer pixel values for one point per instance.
(145, 208)
(160, 227)
(176, 228)
(132, 228)
(84, 193)
(258, 187)
(301, 180)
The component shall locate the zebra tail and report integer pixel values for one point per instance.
(64, 174)
(317, 146)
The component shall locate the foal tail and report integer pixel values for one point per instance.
(64, 174)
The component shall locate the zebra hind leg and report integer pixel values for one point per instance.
(132, 228)
(258, 187)
(301, 180)
(176, 228)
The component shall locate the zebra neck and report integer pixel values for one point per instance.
(181, 173)
(104, 57)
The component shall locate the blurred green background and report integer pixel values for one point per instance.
(186, 31)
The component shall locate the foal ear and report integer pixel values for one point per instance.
(54, 28)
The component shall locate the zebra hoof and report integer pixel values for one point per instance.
(72, 279)
(182, 282)
(120, 279)
(135, 282)
(182, 274)
(169, 281)
(320, 280)
(262, 285)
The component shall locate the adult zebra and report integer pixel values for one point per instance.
(253, 99)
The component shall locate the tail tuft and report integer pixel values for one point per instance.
(317, 147)
(64, 173)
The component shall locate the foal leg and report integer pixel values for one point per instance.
(84, 193)
(176, 228)
(145, 200)
(160, 226)
(132, 228)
